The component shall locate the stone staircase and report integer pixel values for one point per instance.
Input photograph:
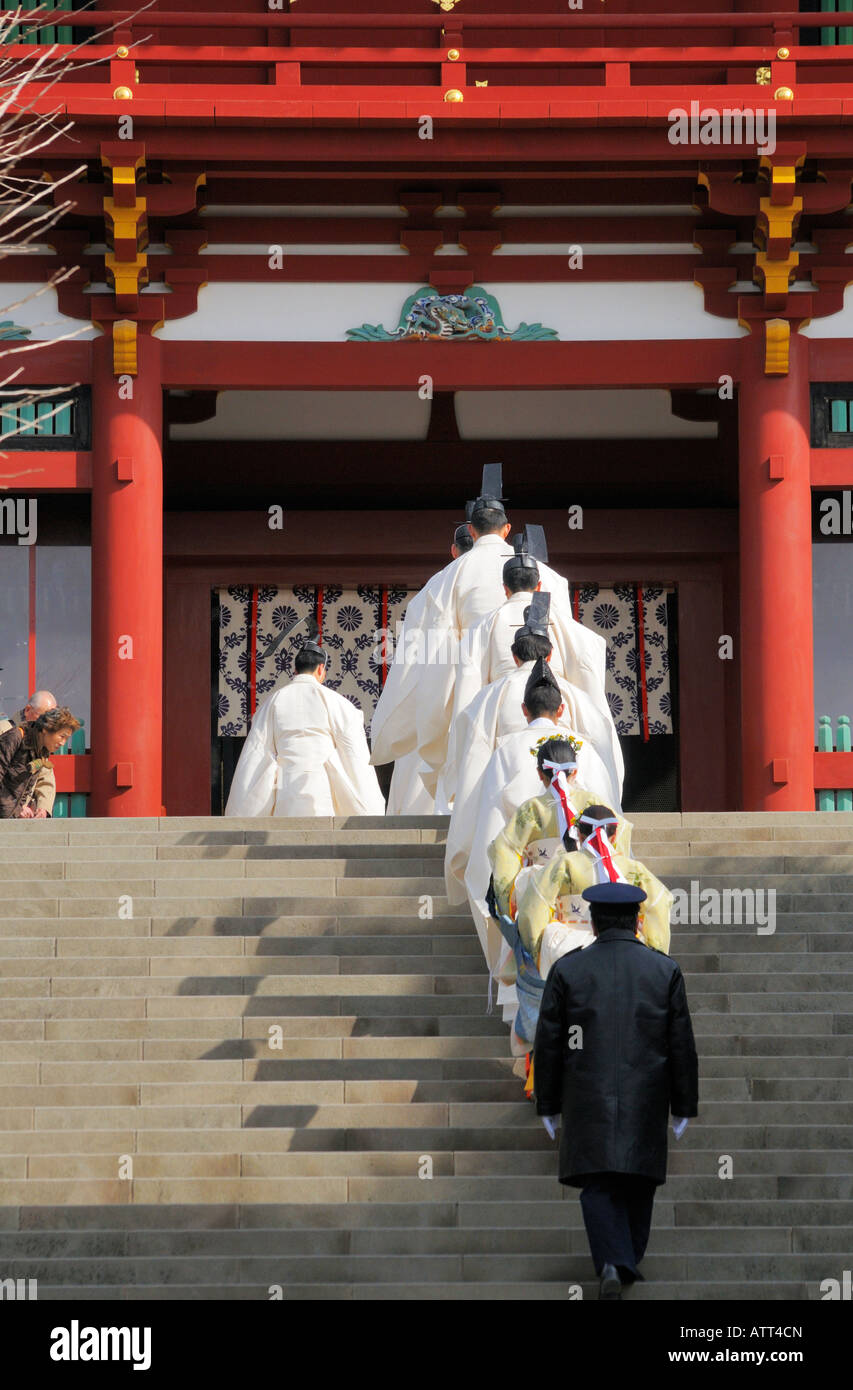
(158, 1140)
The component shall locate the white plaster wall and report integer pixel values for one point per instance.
(41, 315)
(293, 312)
(838, 325)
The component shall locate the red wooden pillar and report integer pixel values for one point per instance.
(777, 661)
(127, 585)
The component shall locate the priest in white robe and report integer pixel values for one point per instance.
(469, 592)
(393, 731)
(492, 662)
(306, 753)
(511, 777)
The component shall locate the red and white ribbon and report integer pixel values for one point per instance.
(559, 789)
(601, 851)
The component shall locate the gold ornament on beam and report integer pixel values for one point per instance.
(124, 348)
(783, 94)
(454, 94)
(777, 347)
(445, 5)
(763, 77)
(783, 53)
(123, 94)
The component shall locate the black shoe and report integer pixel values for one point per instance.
(610, 1286)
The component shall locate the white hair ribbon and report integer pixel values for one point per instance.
(559, 790)
(600, 850)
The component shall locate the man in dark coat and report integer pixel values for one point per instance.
(614, 1055)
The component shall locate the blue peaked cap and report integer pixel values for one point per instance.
(614, 894)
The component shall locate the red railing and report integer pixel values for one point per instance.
(455, 58)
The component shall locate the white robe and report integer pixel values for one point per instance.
(511, 777)
(392, 728)
(306, 755)
(480, 729)
(466, 592)
(408, 796)
(489, 658)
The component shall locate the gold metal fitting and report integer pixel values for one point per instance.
(783, 53)
(484, 83)
(453, 94)
(783, 94)
(122, 94)
(763, 76)
(136, 74)
(453, 55)
(122, 51)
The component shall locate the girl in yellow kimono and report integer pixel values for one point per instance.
(541, 827)
(553, 917)
(551, 901)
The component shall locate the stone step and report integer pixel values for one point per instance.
(180, 876)
(421, 1133)
(452, 1057)
(270, 1066)
(265, 1244)
(323, 974)
(244, 901)
(227, 1163)
(365, 952)
(690, 1198)
(329, 1109)
(237, 967)
(550, 1213)
(88, 860)
(476, 1268)
(424, 1080)
(824, 932)
(339, 1087)
(434, 1292)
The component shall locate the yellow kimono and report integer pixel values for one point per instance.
(563, 882)
(531, 837)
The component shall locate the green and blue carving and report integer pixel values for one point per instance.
(10, 330)
(427, 314)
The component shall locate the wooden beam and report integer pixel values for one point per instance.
(32, 470)
(220, 366)
(73, 772)
(832, 468)
(833, 770)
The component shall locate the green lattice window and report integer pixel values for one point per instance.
(51, 33)
(832, 415)
(59, 421)
(843, 34)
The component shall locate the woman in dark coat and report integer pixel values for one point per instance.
(614, 1055)
(24, 751)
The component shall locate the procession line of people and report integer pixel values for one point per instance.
(494, 711)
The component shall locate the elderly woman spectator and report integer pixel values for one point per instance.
(24, 753)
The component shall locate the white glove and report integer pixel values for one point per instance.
(679, 1126)
(550, 1122)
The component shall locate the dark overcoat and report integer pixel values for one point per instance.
(632, 1064)
(22, 759)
